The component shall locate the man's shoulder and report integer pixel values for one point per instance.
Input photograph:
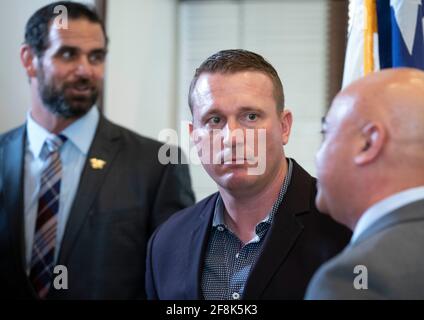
(11, 134)
(183, 221)
(394, 245)
(390, 261)
(130, 136)
(385, 250)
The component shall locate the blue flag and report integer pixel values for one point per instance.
(400, 30)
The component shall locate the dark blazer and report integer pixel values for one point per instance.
(299, 241)
(114, 212)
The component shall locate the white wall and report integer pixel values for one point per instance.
(141, 67)
(14, 87)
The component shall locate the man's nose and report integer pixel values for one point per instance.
(232, 134)
(84, 67)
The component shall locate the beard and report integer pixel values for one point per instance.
(59, 101)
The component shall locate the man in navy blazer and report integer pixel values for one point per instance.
(260, 236)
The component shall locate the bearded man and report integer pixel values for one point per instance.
(79, 196)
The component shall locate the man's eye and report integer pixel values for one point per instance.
(215, 120)
(68, 54)
(252, 116)
(97, 57)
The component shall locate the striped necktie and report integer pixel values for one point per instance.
(43, 251)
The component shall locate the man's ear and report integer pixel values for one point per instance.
(373, 137)
(193, 137)
(286, 120)
(29, 61)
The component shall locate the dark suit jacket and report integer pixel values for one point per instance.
(299, 241)
(114, 212)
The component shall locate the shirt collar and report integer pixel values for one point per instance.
(218, 217)
(36, 136)
(80, 132)
(386, 206)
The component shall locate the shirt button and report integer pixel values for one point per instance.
(220, 228)
(237, 255)
(236, 296)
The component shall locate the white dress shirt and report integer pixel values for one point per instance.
(73, 154)
(386, 206)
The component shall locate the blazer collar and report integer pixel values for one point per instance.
(199, 238)
(283, 234)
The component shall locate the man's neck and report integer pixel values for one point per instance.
(243, 213)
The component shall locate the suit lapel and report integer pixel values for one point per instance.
(283, 234)
(105, 146)
(13, 162)
(196, 253)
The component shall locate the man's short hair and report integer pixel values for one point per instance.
(234, 61)
(38, 26)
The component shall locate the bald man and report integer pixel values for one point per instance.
(370, 171)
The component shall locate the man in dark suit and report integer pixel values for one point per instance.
(374, 139)
(76, 191)
(260, 236)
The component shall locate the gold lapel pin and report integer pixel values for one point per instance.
(97, 164)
